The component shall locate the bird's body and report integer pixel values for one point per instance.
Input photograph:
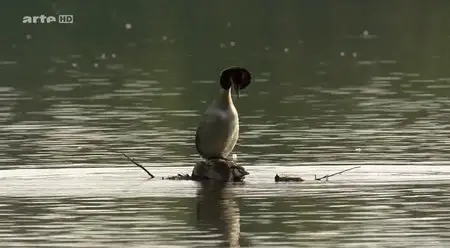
(218, 130)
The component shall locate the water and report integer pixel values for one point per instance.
(335, 85)
(374, 206)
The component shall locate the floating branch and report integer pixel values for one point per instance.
(179, 177)
(334, 174)
(288, 179)
(139, 165)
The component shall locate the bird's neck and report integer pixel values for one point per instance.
(224, 101)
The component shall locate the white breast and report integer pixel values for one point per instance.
(218, 131)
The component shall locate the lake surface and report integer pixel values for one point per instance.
(335, 85)
(373, 206)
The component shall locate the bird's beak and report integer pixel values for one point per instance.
(236, 88)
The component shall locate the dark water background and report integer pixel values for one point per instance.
(336, 84)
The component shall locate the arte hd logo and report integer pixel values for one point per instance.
(43, 19)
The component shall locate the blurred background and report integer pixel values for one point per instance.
(333, 81)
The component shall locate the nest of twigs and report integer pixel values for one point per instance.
(228, 171)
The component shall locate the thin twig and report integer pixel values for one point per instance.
(334, 174)
(136, 163)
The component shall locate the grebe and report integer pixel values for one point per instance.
(218, 131)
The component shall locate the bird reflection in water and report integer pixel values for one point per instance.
(217, 210)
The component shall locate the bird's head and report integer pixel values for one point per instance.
(237, 77)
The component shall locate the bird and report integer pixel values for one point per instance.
(218, 130)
